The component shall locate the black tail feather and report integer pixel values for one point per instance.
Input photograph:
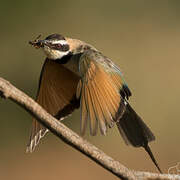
(135, 132)
(134, 129)
(148, 150)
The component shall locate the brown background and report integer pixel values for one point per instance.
(143, 37)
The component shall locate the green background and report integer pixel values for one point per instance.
(143, 37)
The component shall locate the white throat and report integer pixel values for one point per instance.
(54, 54)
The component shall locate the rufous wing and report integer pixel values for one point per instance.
(56, 94)
(99, 94)
(103, 98)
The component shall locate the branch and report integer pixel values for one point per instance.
(7, 90)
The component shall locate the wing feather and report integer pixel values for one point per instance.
(101, 95)
(100, 113)
(84, 112)
(56, 94)
(92, 111)
(105, 94)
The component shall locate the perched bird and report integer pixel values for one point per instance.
(75, 74)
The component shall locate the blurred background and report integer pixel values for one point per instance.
(143, 37)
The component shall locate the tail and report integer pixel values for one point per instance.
(135, 132)
(148, 150)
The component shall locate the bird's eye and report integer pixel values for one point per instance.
(57, 46)
(60, 47)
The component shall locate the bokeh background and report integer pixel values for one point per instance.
(143, 37)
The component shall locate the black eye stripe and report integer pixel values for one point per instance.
(58, 46)
(61, 47)
(65, 47)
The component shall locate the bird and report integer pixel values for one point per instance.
(76, 75)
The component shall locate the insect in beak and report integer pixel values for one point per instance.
(37, 43)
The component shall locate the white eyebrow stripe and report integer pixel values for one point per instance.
(63, 42)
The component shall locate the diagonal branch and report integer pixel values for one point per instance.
(7, 90)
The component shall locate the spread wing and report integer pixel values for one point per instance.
(100, 90)
(56, 94)
(103, 98)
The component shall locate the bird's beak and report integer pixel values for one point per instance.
(37, 43)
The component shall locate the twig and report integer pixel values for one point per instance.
(7, 90)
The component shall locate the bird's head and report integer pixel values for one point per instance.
(55, 46)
